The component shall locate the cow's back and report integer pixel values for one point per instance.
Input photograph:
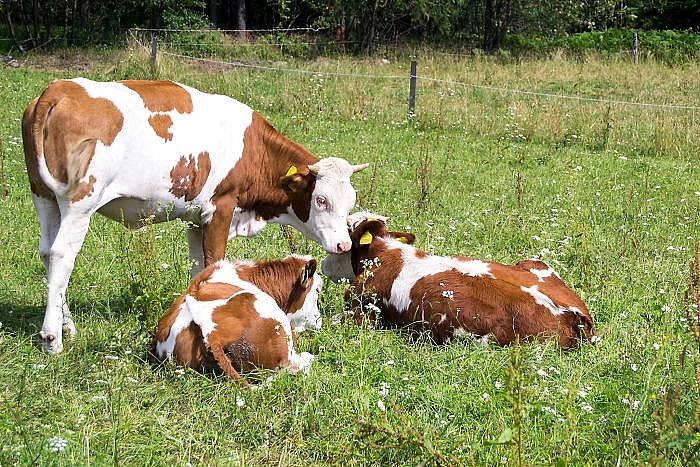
(142, 139)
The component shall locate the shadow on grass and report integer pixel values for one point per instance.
(23, 321)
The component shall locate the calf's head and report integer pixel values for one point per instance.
(321, 200)
(302, 304)
(365, 236)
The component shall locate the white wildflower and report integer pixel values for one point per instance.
(634, 404)
(384, 391)
(57, 444)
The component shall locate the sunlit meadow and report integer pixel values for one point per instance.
(605, 191)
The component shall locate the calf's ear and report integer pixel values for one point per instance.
(404, 237)
(307, 273)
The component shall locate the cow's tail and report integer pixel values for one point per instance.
(34, 124)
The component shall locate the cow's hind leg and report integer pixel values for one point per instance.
(49, 222)
(60, 259)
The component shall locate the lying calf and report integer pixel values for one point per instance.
(451, 296)
(238, 316)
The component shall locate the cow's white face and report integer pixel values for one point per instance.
(331, 201)
(308, 316)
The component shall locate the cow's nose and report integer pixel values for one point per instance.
(343, 247)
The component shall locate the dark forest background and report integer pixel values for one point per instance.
(485, 24)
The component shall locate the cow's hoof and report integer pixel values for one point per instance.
(69, 328)
(50, 343)
(301, 362)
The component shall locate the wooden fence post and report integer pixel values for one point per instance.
(154, 51)
(635, 48)
(412, 90)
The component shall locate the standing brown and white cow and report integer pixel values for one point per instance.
(402, 286)
(132, 150)
(240, 316)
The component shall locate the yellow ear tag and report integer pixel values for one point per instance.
(292, 170)
(402, 239)
(304, 277)
(366, 238)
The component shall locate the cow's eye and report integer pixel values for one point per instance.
(322, 202)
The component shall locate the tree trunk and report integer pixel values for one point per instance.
(73, 22)
(12, 31)
(489, 27)
(241, 20)
(372, 28)
(497, 18)
(35, 23)
(156, 15)
(212, 13)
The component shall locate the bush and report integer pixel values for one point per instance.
(670, 47)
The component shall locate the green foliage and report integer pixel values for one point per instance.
(294, 45)
(360, 26)
(190, 31)
(148, 285)
(670, 47)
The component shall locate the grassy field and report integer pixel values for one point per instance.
(607, 193)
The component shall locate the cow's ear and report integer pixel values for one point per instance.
(404, 237)
(296, 182)
(307, 273)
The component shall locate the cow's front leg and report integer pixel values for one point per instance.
(215, 233)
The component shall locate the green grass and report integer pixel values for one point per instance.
(608, 194)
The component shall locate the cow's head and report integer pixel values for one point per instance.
(321, 199)
(365, 228)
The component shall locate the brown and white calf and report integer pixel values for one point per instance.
(239, 316)
(402, 286)
(159, 150)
